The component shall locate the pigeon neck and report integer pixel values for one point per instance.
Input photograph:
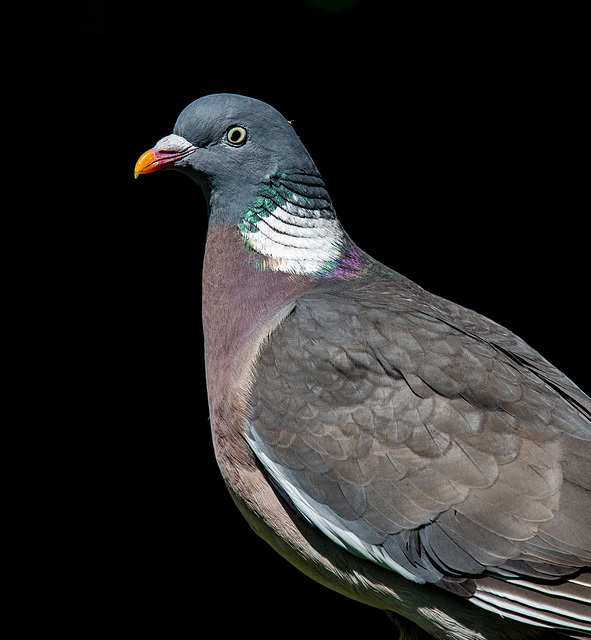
(238, 301)
(292, 226)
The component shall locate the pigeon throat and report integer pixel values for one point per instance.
(293, 227)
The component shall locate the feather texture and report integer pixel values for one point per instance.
(410, 435)
(433, 442)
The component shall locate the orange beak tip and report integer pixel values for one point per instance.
(147, 163)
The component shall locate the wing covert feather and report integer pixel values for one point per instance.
(433, 450)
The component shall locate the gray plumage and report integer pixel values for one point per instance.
(399, 448)
(432, 434)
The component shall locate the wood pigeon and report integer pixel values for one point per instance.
(398, 448)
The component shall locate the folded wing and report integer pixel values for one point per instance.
(436, 445)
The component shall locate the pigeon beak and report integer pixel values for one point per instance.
(167, 152)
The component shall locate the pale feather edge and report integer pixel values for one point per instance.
(351, 543)
(522, 613)
(523, 610)
(305, 507)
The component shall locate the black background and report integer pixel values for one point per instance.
(453, 148)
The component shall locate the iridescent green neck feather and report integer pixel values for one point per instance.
(293, 226)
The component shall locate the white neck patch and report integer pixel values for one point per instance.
(293, 238)
(294, 244)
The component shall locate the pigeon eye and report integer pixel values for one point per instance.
(236, 136)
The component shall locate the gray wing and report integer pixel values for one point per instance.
(451, 453)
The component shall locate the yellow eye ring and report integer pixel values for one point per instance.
(236, 135)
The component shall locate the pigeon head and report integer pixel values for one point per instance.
(232, 146)
(258, 177)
